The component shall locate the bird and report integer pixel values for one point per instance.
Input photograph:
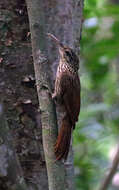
(67, 93)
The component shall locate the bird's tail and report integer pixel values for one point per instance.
(63, 140)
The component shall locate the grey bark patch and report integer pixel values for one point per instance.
(3, 160)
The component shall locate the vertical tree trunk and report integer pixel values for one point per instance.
(23, 119)
(55, 169)
(10, 169)
(64, 19)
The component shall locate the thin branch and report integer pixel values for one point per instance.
(105, 184)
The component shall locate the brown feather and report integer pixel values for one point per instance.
(63, 141)
(70, 86)
(66, 93)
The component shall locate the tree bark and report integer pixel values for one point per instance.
(55, 169)
(64, 19)
(23, 120)
(10, 169)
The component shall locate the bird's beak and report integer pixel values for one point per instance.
(55, 40)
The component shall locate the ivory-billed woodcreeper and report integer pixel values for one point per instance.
(67, 93)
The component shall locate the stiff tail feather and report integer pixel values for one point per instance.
(63, 140)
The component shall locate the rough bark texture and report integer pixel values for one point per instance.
(64, 19)
(10, 169)
(55, 169)
(15, 70)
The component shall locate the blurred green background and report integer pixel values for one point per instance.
(97, 132)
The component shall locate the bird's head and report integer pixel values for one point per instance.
(66, 53)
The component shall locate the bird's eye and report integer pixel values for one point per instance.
(67, 53)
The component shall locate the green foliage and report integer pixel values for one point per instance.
(97, 130)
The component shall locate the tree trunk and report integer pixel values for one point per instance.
(10, 169)
(19, 95)
(64, 19)
(55, 170)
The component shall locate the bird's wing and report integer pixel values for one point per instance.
(71, 96)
